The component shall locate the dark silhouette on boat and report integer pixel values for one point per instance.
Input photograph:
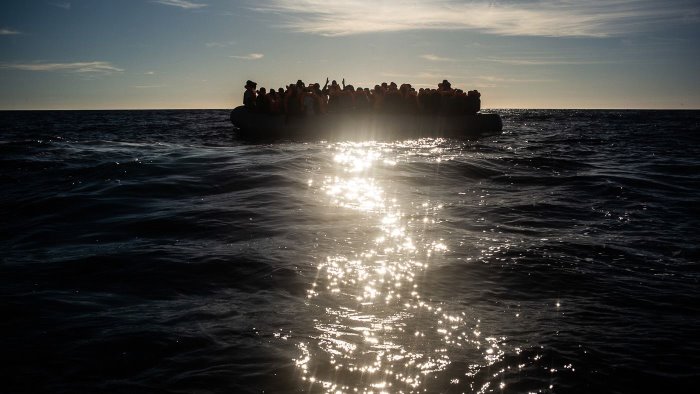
(383, 113)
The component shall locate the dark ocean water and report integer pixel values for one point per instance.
(152, 251)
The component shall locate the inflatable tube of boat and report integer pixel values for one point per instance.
(362, 126)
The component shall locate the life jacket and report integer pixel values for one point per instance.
(294, 105)
(309, 105)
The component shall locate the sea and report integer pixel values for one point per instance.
(156, 252)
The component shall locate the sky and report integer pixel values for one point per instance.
(139, 54)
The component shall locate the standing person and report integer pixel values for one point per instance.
(347, 98)
(310, 102)
(473, 104)
(446, 94)
(361, 100)
(392, 99)
(334, 94)
(274, 101)
(249, 97)
(319, 97)
(292, 103)
(445, 86)
(378, 98)
(262, 102)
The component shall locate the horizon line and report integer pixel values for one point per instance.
(231, 108)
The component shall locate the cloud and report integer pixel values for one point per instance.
(220, 44)
(542, 61)
(181, 3)
(148, 86)
(250, 56)
(8, 32)
(436, 58)
(422, 76)
(494, 79)
(65, 6)
(150, 73)
(78, 67)
(565, 18)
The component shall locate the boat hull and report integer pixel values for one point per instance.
(353, 126)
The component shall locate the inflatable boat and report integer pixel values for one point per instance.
(252, 125)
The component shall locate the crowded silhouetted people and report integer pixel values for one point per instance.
(299, 100)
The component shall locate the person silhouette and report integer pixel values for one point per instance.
(249, 94)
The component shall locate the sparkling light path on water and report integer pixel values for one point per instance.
(377, 330)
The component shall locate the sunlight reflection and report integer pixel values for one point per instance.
(377, 333)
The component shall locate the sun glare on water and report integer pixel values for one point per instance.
(377, 332)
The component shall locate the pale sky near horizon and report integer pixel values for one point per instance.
(133, 54)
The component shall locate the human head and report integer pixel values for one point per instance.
(250, 84)
(445, 85)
